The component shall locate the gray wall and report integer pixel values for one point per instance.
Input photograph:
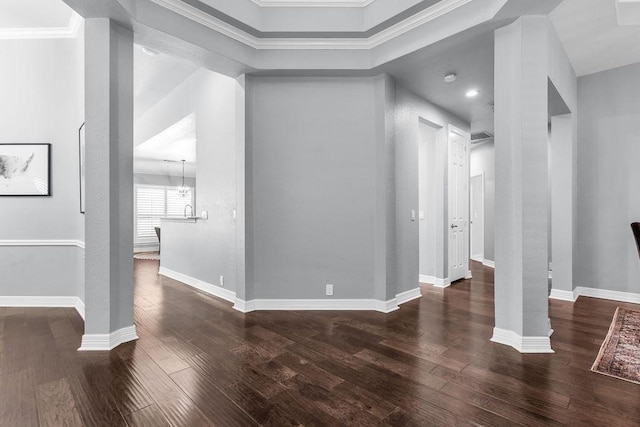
(428, 183)
(483, 160)
(206, 250)
(311, 186)
(410, 109)
(42, 101)
(608, 179)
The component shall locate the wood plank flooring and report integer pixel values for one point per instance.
(199, 363)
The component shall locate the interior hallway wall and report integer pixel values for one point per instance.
(206, 249)
(608, 180)
(42, 101)
(483, 160)
(409, 110)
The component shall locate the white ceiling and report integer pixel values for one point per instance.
(155, 77)
(592, 38)
(34, 14)
(176, 142)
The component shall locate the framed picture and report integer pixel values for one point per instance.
(25, 169)
(81, 147)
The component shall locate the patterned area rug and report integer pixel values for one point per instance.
(619, 355)
(153, 256)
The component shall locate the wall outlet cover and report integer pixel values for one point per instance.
(329, 289)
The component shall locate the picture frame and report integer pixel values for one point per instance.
(81, 168)
(25, 169)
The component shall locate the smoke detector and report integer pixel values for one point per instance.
(450, 78)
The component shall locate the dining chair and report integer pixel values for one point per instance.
(635, 227)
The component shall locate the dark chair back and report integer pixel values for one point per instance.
(635, 227)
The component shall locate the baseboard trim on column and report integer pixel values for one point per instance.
(107, 342)
(520, 343)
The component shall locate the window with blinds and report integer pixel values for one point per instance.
(154, 202)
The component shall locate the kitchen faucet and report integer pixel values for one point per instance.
(190, 210)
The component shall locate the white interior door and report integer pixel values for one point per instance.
(458, 204)
(476, 223)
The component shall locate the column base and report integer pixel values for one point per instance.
(106, 342)
(520, 343)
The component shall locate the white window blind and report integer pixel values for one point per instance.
(154, 202)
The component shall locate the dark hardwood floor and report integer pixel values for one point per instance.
(199, 362)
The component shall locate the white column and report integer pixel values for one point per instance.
(109, 185)
(522, 199)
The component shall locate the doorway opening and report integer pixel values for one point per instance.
(433, 259)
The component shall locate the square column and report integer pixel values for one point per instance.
(109, 185)
(522, 190)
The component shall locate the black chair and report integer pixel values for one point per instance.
(635, 227)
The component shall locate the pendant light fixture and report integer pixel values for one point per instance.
(183, 191)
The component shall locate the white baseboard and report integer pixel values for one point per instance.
(435, 281)
(563, 295)
(407, 296)
(208, 288)
(43, 301)
(328, 304)
(477, 258)
(582, 291)
(520, 343)
(610, 295)
(316, 304)
(106, 342)
(488, 263)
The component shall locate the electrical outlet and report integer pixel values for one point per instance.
(329, 289)
(222, 281)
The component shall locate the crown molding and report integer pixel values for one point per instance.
(68, 32)
(414, 21)
(313, 3)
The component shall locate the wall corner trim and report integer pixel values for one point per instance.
(205, 287)
(43, 301)
(107, 342)
(520, 343)
(435, 281)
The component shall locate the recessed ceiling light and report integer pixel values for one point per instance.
(472, 93)
(450, 78)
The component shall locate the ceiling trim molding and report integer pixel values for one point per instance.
(414, 21)
(68, 32)
(313, 3)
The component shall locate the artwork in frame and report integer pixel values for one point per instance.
(81, 150)
(25, 169)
